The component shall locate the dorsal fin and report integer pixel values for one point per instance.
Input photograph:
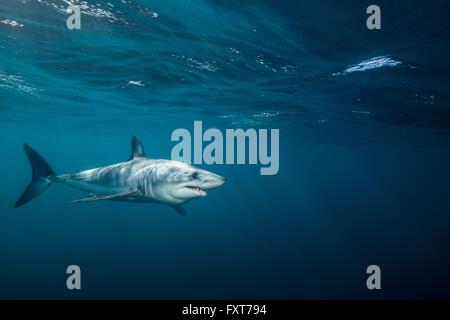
(137, 149)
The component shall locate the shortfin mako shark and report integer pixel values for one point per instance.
(139, 179)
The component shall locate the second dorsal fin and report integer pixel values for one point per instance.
(137, 149)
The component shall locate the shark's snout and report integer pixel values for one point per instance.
(212, 180)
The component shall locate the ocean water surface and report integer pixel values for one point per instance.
(364, 120)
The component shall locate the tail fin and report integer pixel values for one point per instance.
(41, 172)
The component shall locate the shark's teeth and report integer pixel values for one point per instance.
(197, 189)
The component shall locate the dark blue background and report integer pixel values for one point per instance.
(364, 158)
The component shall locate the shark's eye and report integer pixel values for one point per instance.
(195, 175)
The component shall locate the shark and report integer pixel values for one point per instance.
(139, 179)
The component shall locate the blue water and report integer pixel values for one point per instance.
(364, 119)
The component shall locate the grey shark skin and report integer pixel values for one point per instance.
(139, 179)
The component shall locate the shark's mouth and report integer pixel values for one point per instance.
(198, 190)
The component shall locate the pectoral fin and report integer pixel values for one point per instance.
(91, 198)
(178, 208)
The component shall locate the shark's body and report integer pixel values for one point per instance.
(139, 179)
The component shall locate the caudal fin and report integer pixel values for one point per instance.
(41, 174)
